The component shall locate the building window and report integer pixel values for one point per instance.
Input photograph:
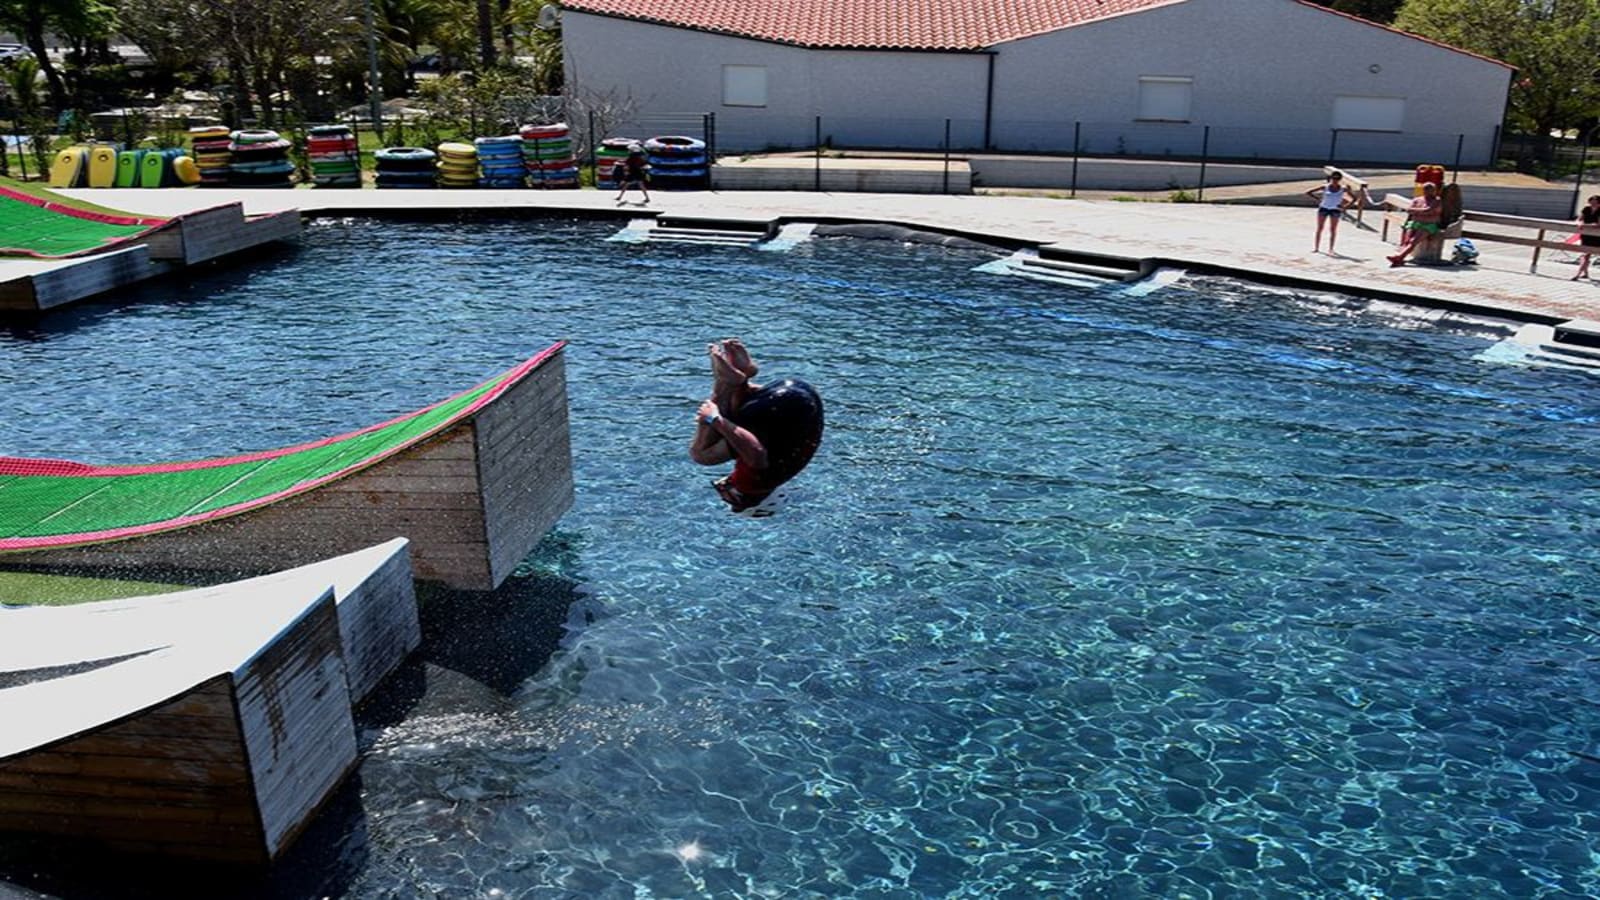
(744, 85)
(1369, 113)
(1164, 98)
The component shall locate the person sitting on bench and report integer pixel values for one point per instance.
(1422, 220)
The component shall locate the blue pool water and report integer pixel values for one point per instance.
(1215, 592)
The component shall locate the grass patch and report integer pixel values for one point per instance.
(36, 589)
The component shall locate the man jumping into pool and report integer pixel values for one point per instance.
(769, 433)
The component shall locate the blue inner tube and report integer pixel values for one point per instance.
(404, 154)
(787, 417)
(678, 144)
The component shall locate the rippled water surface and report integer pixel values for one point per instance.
(1211, 592)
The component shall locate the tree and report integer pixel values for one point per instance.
(33, 19)
(1554, 44)
(268, 46)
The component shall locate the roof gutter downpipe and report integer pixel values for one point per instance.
(988, 104)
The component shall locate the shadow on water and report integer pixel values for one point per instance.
(477, 650)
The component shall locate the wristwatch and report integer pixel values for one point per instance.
(711, 420)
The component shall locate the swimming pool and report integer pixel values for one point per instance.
(1210, 592)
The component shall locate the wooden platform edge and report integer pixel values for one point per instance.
(236, 765)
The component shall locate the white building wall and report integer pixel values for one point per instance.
(1265, 73)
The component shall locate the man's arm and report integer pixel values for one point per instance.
(737, 441)
(708, 448)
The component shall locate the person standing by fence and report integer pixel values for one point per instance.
(1589, 235)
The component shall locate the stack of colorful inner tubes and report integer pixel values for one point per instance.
(611, 151)
(676, 161)
(210, 145)
(547, 153)
(458, 165)
(500, 162)
(405, 167)
(260, 159)
(335, 157)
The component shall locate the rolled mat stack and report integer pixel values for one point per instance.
(612, 150)
(547, 154)
(458, 165)
(500, 162)
(335, 156)
(129, 162)
(676, 161)
(70, 168)
(260, 160)
(405, 167)
(210, 146)
(156, 168)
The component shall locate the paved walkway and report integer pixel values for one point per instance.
(1269, 241)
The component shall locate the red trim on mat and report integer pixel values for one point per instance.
(76, 213)
(512, 377)
(19, 465)
(151, 224)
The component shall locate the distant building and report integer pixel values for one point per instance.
(1263, 79)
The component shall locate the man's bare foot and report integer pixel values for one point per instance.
(739, 357)
(722, 371)
(730, 361)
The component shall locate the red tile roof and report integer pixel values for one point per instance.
(871, 24)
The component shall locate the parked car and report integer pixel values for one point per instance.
(9, 52)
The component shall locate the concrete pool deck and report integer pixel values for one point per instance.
(1270, 243)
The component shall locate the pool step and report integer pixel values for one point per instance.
(670, 234)
(1076, 270)
(1041, 264)
(1571, 344)
(714, 232)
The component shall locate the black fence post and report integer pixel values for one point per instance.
(711, 139)
(1583, 163)
(1077, 128)
(22, 155)
(1333, 147)
(1205, 149)
(1494, 147)
(947, 156)
(817, 160)
(594, 143)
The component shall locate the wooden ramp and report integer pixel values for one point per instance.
(210, 723)
(72, 250)
(474, 481)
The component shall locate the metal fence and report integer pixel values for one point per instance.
(1135, 140)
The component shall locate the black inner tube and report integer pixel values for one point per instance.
(787, 418)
